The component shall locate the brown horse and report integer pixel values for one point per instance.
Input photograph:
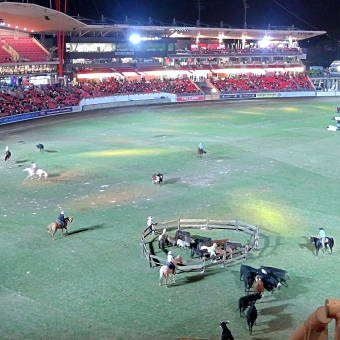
(7, 155)
(54, 226)
(165, 271)
(200, 152)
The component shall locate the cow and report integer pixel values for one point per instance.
(199, 253)
(226, 334)
(184, 236)
(200, 244)
(259, 286)
(40, 147)
(248, 274)
(171, 240)
(182, 244)
(280, 274)
(244, 301)
(270, 282)
(157, 179)
(251, 316)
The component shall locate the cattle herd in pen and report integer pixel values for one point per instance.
(256, 280)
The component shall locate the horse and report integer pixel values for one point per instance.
(7, 155)
(165, 271)
(54, 226)
(39, 172)
(200, 152)
(329, 241)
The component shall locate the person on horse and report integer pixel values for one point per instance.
(150, 225)
(61, 220)
(322, 236)
(170, 262)
(200, 146)
(34, 167)
(7, 153)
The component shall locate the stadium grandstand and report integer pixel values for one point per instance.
(43, 47)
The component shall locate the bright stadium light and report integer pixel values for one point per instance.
(135, 38)
(264, 42)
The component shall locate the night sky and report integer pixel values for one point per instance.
(303, 14)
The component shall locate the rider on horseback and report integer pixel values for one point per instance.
(170, 262)
(34, 167)
(61, 220)
(7, 153)
(200, 146)
(322, 236)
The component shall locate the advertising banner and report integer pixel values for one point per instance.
(266, 95)
(32, 115)
(190, 98)
(238, 96)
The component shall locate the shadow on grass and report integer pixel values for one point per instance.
(92, 227)
(22, 162)
(51, 151)
(159, 136)
(172, 180)
(307, 245)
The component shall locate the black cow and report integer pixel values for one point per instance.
(280, 274)
(251, 316)
(40, 147)
(270, 282)
(244, 302)
(184, 236)
(200, 244)
(226, 334)
(247, 274)
(198, 252)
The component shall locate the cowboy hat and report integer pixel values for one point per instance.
(149, 217)
(170, 253)
(62, 212)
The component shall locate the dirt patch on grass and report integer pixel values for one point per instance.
(112, 197)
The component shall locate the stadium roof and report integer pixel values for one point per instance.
(29, 18)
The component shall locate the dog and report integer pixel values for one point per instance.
(40, 147)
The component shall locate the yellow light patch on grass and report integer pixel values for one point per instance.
(127, 152)
(275, 218)
(254, 113)
(290, 109)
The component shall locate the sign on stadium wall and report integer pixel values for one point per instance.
(238, 96)
(266, 95)
(190, 98)
(32, 115)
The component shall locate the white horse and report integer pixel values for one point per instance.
(39, 172)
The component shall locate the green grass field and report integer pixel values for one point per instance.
(269, 164)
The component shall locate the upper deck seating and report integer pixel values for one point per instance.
(28, 49)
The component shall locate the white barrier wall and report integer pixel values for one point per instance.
(127, 98)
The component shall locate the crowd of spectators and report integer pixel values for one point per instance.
(263, 83)
(36, 98)
(248, 50)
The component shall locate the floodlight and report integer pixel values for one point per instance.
(264, 42)
(135, 38)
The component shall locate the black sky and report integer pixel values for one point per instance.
(303, 14)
